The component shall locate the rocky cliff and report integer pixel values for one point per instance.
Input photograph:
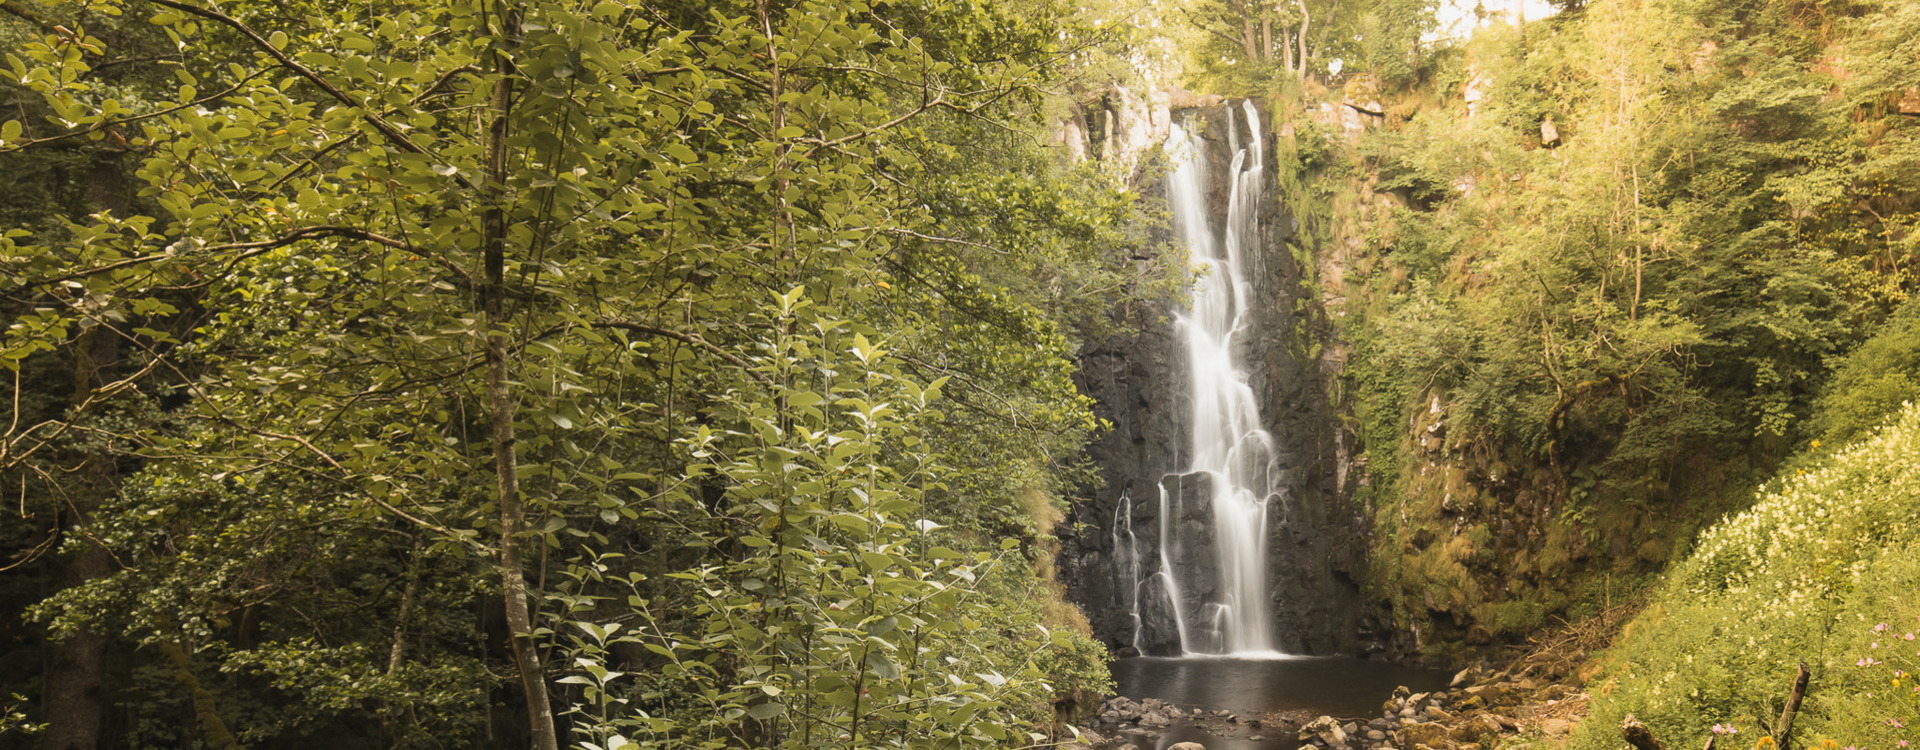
(1317, 539)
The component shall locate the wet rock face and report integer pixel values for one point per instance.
(1316, 537)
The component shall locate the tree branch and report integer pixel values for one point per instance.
(387, 129)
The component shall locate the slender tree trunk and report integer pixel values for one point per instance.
(1306, 20)
(213, 731)
(503, 406)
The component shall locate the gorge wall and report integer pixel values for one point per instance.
(1316, 538)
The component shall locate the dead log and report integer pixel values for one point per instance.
(1638, 735)
(1783, 729)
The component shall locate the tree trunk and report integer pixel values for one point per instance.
(502, 407)
(1306, 20)
(75, 696)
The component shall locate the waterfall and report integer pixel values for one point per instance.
(1229, 447)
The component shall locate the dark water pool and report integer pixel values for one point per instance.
(1251, 688)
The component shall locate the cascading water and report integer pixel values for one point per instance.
(1230, 452)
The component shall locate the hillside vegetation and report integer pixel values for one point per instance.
(1592, 277)
(1825, 569)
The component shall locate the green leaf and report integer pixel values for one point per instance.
(767, 710)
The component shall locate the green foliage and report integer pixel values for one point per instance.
(1599, 343)
(419, 301)
(1808, 572)
(1871, 382)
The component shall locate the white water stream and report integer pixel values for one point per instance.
(1229, 446)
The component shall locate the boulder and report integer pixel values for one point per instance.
(1429, 733)
(1325, 729)
(1091, 737)
(1436, 714)
(1461, 678)
(1186, 746)
(1476, 729)
(1556, 727)
(1154, 719)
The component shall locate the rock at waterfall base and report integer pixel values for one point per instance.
(1431, 734)
(1325, 729)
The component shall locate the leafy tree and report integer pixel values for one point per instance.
(425, 308)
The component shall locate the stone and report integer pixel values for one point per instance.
(1476, 729)
(1380, 724)
(1556, 727)
(1408, 713)
(1435, 713)
(1326, 729)
(1092, 737)
(1375, 735)
(1401, 691)
(1186, 746)
(1470, 703)
(1461, 678)
(1427, 733)
(1154, 719)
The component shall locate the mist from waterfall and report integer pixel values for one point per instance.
(1229, 447)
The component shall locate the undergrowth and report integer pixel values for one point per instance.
(1823, 568)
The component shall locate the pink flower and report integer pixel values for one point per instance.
(1895, 723)
(1881, 628)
